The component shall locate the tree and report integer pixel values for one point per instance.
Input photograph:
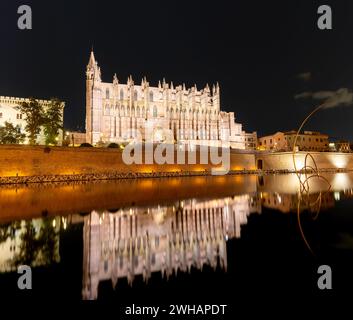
(53, 121)
(38, 244)
(34, 116)
(11, 134)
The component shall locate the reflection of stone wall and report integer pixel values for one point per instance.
(164, 239)
(289, 202)
(35, 200)
(290, 184)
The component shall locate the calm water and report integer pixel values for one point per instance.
(177, 240)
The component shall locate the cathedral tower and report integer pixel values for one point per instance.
(93, 100)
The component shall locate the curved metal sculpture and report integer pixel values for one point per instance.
(309, 172)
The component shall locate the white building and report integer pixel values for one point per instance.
(117, 112)
(9, 113)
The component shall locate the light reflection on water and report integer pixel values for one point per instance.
(134, 228)
(166, 239)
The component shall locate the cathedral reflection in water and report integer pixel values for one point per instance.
(165, 236)
(166, 239)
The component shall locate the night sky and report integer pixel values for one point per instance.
(262, 53)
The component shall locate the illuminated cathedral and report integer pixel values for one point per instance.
(121, 112)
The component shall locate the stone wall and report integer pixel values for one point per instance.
(25, 161)
(323, 160)
(67, 163)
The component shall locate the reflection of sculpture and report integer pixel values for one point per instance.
(140, 241)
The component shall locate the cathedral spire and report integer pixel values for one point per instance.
(130, 82)
(115, 79)
(217, 87)
(93, 71)
(92, 61)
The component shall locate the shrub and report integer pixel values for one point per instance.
(113, 145)
(86, 145)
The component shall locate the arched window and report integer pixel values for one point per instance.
(121, 94)
(154, 111)
(135, 95)
(107, 94)
(151, 96)
(138, 111)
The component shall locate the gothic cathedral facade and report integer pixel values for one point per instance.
(120, 113)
